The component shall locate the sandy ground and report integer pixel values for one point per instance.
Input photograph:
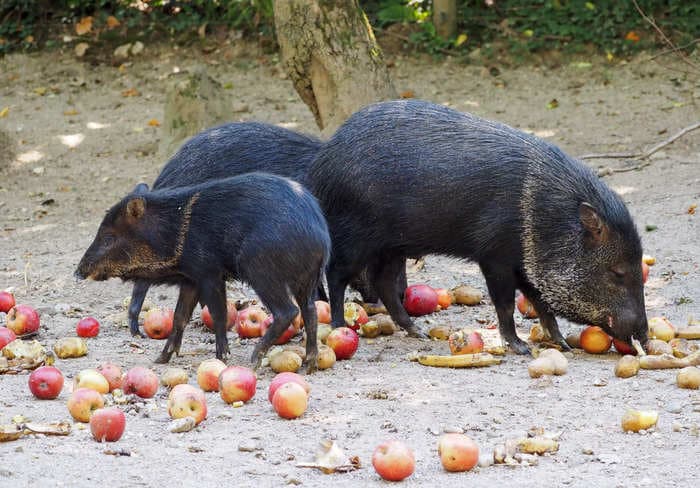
(80, 145)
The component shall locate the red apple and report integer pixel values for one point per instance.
(250, 321)
(444, 297)
(7, 301)
(283, 378)
(113, 375)
(645, 272)
(231, 316)
(237, 384)
(343, 341)
(93, 379)
(594, 340)
(22, 319)
(87, 327)
(46, 382)
(157, 323)
(208, 374)
(288, 333)
(107, 424)
(187, 401)
(290, 400)
(141, 381)
(83, 402)
(465, 342)
(355, 315)
(458, 452)
(623, 348)
(6, 336)
(393, 460)
(323, 312)
(525, 307)
(661, 328)
(420, 300)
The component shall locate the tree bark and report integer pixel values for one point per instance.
(332, 57)
(445, 18)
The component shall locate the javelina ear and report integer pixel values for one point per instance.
(140, 189)
(135, 208)
(596, 229)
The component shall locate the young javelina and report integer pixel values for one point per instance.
(257, 228)
(408, 178)
(229, 150)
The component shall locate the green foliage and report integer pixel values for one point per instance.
(27, 24)
(521, 27)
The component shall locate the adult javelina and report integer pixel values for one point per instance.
(229, 150)
(407, 178)
(258, 228)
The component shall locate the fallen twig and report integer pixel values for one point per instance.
(645, 154)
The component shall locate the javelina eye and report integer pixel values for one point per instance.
(619, 274)
(107, 241)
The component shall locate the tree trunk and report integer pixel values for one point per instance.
(332, 57)
(445, 18)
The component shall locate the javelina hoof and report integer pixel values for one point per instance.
(311, 363)
(137, 333)
(416, 332)
(222, 350)
(518, 346)
(164, 358)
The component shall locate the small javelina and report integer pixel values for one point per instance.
(408, 178)
(229, 150)
(261, 229)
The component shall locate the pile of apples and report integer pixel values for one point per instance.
(393, 460)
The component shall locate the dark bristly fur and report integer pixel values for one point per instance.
(257, 228)
(407, 178)
(229, 150)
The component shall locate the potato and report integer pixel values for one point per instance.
(560, 362)
(690, 332)
(441, 332)
(682, 347)
(174, 376)
(70, 347)
(386, 325)
(370, 329)
(22, 349)
(467, 295)
(296, 348)
(627, 366)
(574, 340)
(322, 332)
(285, 361)
(541, 366)
(537, 445)
(688, 378)
(636, 420)
(539, 334)
(326, 357)
(656, 347)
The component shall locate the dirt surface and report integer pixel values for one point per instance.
(81, 145)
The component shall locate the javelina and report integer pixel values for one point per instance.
(258, 228)
(229, 150)
(406, 178)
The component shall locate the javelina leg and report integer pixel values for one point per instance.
(186, 302)
(363, 284)
(501, 284)
(547, 319)
(214, 295)
(283, 311)
(308, 313)
(386, 270)
(137, 296)
(337, 282)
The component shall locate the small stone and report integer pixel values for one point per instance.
(485, 460)
(674, 407)
(452, 429)
(137, 48)
(182, 425)
(676, 426)
(39, 170)
(587, 451)
(122, 51)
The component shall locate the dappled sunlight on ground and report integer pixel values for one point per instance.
(71, 140)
